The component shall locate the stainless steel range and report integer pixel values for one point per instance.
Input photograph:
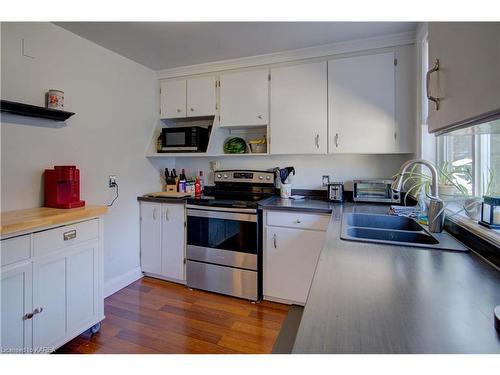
(224, 240)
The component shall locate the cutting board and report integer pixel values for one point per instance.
(168, 194)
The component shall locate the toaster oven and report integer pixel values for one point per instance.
(379, 190)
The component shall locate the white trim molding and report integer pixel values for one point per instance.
(114, 285)
(324, 50)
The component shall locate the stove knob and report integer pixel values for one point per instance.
(225, 176)
(219, 176)
(268, 178)
(261, 177)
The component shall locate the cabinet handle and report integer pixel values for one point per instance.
(69, 235)
(154, 213)
(316, 140)
(28, 316)
(38, 310)
(178, 111)
(259, 117)
(298, 221)
(395, 135)
(166, 214)
(274, 240)
(336, 139)
(434, 99)
(191, 109)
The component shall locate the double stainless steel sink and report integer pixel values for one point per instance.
(395, 230)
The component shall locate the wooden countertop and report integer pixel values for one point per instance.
(34, 218)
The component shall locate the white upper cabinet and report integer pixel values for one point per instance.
(299, 109)
(173, 99)
(200, 97)
(188, 98)
(244, 98)
(406, 121)
(468, 80)
(362, 104)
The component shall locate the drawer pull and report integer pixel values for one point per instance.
(274, 241)
(69, 235)
(298, 221)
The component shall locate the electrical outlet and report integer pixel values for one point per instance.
(112, 181)
(326, 180)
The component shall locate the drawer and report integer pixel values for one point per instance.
(15, 249)
(297, 219)
(50, 240)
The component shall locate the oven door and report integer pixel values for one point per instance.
(226, 238)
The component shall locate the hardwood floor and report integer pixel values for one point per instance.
(155, 316)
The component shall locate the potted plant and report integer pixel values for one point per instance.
(453, 187)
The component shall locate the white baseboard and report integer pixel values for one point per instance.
(120, 282)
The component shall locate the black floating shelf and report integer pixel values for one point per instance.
(34, 111)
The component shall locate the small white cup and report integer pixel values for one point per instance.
(286, 191)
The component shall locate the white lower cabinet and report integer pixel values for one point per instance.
(163, 240)
(51, 298)
(49, 294)
(291, 253)
(16, 302)
(81, 286)
(151, 237)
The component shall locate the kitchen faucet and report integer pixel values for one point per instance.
(436, 206)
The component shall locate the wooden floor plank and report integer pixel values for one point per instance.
(156, 316)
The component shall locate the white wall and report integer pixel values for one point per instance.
(309, 168)
(115, 100)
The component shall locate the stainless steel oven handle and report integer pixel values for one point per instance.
(223, 215)
(221, 209)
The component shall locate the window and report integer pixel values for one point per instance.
(471, 163)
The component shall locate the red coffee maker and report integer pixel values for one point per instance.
(62, 187)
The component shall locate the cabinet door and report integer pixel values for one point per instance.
(299, 109)
(468, 80)
(151, 237)
(16, 299)
(49, 297)
(244, 98)
(290, 258)
(173, 99)
(201, 97)
(361, 104)
(173, 241)
(82, 286)
(406, 132)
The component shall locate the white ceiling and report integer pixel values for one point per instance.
(163, 45)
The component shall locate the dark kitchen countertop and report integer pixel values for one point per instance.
(274, 203)
(306, 204)
(371, 298)
(162, 199)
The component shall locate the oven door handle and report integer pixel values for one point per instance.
(223, 215)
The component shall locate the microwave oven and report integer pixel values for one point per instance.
(185, 139)
(375, 191)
